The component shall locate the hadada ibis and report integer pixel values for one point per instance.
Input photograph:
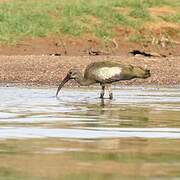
(105, 73)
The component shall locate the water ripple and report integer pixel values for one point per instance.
(22, 132)
(79, 113)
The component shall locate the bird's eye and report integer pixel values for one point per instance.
(70, 72)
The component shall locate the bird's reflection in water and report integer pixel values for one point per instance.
(105, 102)
(102, 104)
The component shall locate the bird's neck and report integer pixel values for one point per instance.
(83, 81)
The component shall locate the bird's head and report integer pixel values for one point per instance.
(140, 72)
(72, 74)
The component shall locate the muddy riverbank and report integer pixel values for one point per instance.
(49, 70)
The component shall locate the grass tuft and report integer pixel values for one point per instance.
(141, 13)
(20, 19)
(172, 18)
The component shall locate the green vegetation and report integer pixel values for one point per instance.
(127, 158)
(23, 18)
(10, 174)
(172, 18)
(100, 176)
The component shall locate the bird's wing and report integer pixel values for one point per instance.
(108, 73)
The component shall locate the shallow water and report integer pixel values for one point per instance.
(78, 136)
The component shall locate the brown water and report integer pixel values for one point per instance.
(78, 136)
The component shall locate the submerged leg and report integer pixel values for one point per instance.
(110, 91)
(102, 92)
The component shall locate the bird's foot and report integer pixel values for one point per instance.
(110, 96)
(102, 96)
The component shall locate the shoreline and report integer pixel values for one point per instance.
(95, 86)
(32, 70)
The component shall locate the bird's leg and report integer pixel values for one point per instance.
(102, 92)
(110, 91)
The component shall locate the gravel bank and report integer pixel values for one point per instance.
(49, 70)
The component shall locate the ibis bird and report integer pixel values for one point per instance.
(105, 73)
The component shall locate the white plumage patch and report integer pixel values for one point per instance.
(108, 72)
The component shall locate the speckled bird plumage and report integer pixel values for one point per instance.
(105, 73)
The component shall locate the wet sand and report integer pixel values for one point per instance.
(49, 70)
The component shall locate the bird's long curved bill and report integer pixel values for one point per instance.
(66, 79)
